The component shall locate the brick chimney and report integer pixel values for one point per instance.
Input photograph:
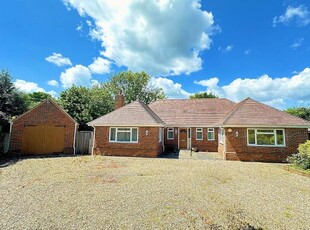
(119, 100)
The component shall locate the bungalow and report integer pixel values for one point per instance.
(246, 131)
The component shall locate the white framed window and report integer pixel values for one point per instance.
(266, 137)
(160, 134)
(123, 135)
(199, 134)
(170, 133)
(211, 134)
(221, 135)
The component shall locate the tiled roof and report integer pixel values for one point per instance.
(192, 112)
(134, 114)
(250, 112)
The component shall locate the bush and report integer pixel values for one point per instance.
(302, 158)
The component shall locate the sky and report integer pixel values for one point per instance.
(235, 49)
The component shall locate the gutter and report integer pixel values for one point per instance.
(74, 138)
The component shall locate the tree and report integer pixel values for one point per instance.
(33, 99)
(301, 112)
(86, 104)
(203, 95)
(76, 101)
(134, 86)
(12, 101)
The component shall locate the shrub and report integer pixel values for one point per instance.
(302, 158)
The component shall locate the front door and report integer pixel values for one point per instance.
(183, 138)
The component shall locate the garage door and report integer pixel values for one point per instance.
(43, 139)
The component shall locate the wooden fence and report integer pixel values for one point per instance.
(84, 142)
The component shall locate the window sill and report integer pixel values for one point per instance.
(274, 146)
(124, 142)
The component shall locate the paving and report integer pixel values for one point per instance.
(187, 154)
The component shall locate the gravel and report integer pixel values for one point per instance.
(137, 193)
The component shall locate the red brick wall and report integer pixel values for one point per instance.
(205, 144)
(147, 146)
(202, 145)
(47, 114)
(171, 144)
(237, 148)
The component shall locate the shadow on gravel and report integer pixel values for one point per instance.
(11, 159)
(170, 155)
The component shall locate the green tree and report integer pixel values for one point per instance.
(203, 95)
(301, 112)
(12, 102)
(134, 86)
(86, 104)
(76, 101)
(35, 98)
(101, 102)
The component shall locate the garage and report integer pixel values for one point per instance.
(45, 129)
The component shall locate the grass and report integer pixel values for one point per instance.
(307, 171)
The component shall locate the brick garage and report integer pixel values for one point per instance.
(237, 148)
(45, 129)
(147, 146)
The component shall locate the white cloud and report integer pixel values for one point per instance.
(273, 91)
(58, 59)
(27, 86)
(227, 49)
(30, 87)
(171, 89)
(297, 43)
(100, 66)
(294, 15)
(158, 37)
(79, 27)
(78, 75)
(248, 51)
(53, 83)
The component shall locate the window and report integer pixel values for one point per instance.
(266, 137)
(170, 133)
(221, 136)
(199, 134)
(129, 135)
(160, 135)
(211, 134)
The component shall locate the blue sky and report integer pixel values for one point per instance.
(236, 49)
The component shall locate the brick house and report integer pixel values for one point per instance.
(45, 129)
(246, 131)
(131, 130)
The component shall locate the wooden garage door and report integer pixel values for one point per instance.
(43, 139)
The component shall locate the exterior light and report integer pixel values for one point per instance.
(237, 134)
(146, 132)
(229, 130)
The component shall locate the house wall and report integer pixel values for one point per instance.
(171, 144)
(45, 114)
(237, 148)
(205, 144)
(147, 146)
(202, 145)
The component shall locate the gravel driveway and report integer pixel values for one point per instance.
(136, 193)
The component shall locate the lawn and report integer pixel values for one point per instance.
(136, 193)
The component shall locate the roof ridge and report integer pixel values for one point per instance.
(154, 116)
(235, 109)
